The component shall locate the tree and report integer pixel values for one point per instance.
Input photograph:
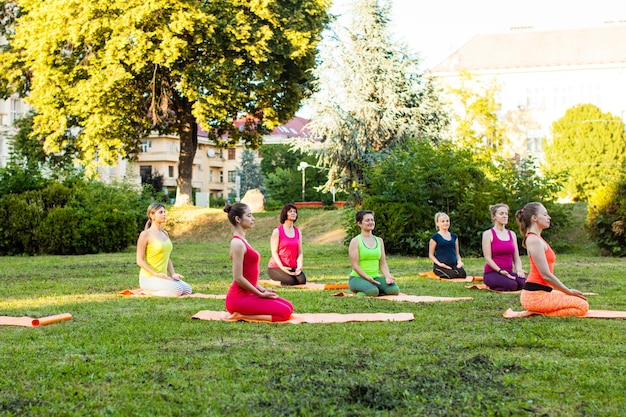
(371, 98)
(476, 123)
(114, 71)
(283, 181)
(249, 172)
(589, 146)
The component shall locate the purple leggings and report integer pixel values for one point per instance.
(498, 282)
(251, 304)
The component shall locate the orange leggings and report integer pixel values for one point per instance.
(554, 303)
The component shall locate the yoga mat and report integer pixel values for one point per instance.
(309, 317)
(591, 314)
(139, 292)
(485, 287)
(32, 322)
(408, 298)
(307, 286)
(431, 275)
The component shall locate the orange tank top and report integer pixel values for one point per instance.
(535, 275)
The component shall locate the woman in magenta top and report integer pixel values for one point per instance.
(245, 296)
(503, 265)
(285, 265)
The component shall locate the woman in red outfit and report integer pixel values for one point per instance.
(543, 292)
(245, 296)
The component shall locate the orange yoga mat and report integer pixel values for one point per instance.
(431, 275)
(32, 322)
(309, 317)
(409, 298)
(591, 314)
(307, 286)
(140, 292)
(485, 287)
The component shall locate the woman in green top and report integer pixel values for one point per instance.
(370, 274)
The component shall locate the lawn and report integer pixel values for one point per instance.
(135, 356)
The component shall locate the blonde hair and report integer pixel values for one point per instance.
(438, 215)
(152, 208)
(495, 207)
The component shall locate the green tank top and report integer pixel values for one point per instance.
(369, 258)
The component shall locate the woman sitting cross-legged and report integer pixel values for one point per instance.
(370, 274)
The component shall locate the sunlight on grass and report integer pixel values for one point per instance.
(38, 302)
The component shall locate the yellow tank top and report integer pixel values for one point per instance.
(158, 255)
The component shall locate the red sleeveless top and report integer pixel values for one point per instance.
(251, 262)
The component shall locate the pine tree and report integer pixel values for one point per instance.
(370, 98)
(250, 174)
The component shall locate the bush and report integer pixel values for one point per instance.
(606, 216)
(410, 184)
(83, 217)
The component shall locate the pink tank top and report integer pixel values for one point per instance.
(288, 248)
(502, 252)
(251, 262)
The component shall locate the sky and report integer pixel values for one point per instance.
(436, 28)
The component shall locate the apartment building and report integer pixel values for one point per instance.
(214, 169)
(541, 74)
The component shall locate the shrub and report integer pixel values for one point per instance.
(410, 184)
(78, 218)
(606, 216)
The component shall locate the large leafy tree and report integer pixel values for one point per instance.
(371, 97)
(476, 123)
(114, 70)
(589, 146)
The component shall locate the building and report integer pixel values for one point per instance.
(541, 74)
(10, 110)
(214, 169)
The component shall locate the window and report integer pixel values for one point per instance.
(145, 172)
(145, 145)
(232, 176)
(14, 111)
(221, 176)
(211, 175)
(170, 171)
(231, 154)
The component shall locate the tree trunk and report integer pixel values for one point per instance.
(188, 134)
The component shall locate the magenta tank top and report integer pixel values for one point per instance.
(502, 252)
(288, 248)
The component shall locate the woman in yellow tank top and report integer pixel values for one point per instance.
(157, 275)
(370, 274)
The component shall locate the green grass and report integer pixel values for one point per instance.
(126, 356)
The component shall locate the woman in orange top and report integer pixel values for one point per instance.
(543, 292)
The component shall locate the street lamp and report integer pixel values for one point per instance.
(302, 167)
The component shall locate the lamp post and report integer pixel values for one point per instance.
(302, 167)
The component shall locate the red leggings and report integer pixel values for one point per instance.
(553, 303)
(251, 304)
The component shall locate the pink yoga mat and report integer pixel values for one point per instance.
(32, 322)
